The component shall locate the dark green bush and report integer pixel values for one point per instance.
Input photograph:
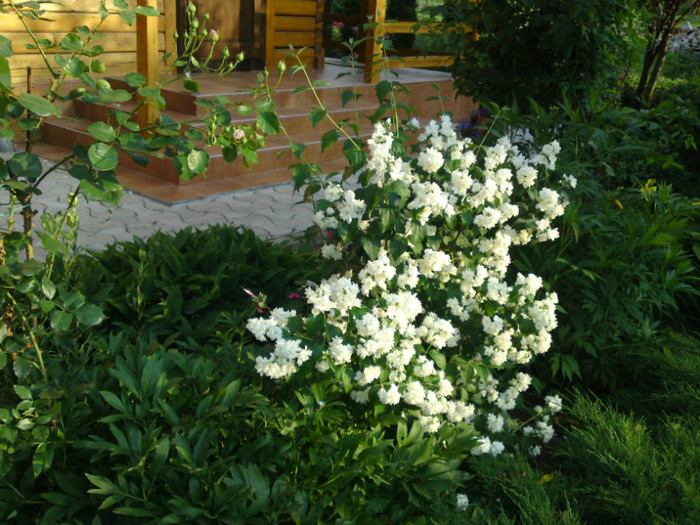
(182, 282)
(533, 49)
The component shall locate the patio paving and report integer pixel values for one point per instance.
(273, 212)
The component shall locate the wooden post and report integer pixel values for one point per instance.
(147, 57)
(376, 9)
(319, 52)
(270, 35)
(170, 15)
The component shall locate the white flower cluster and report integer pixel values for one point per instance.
(392, 325)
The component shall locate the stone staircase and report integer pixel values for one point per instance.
(159, 180)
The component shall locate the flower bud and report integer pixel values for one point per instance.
(238, 135)
(214, 35)
(240, 56)
(281, 66)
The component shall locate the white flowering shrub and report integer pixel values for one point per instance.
(425, 318)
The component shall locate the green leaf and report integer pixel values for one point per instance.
(74, 67)
(147, 10)
(129, 17)
(197, 161)
(114, 95)
(149, 92)
(25, 165)
(104, 486)
(22, 367)
(371, 246)
(383, 89)
(52, 245)
(345, 96)
(102, 190)
(60, 320)
(102, 131)
(71, 42)
(43, 457)
(48, 287)
(297, 149)
(89, 315)
(103, 157)
(317, 115)
(5, 75)
(37, 105)
(268, 122)
(135, 80)
(328, 138)
(439, 359)
(113, 400)
(5, 47)
(191, 85)
(23, 392)
(173, 304)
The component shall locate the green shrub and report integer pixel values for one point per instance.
(533, 49)
(626, 262)
(182, 282)
(627, 472)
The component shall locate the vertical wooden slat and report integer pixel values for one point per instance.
(147, 56)
(259, 29)
(170, 15)
(319, 53)
(270, 34)
(376, 9)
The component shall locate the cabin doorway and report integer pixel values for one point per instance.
(239, 23)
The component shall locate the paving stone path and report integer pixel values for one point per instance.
(272, 212)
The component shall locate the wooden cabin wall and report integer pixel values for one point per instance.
(119, 40)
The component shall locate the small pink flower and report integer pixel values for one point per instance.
(329, 234)
(294, 295)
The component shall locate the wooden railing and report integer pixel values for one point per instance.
(373, 56)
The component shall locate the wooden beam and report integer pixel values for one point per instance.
(147, 57)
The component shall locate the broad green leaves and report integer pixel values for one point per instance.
(135, 80)
(37, 105)
(102, 131)
(5, 47)
(268, 122)
(103, 157)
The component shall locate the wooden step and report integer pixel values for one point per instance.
(274, 154)
(293, 105)
(168, 193)
(294, 119)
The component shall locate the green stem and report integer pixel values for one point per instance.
(42, 368)
(322, 106)
(52, 256)
(19, 15)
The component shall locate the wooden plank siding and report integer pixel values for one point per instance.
(119, 40)
(297, 23)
